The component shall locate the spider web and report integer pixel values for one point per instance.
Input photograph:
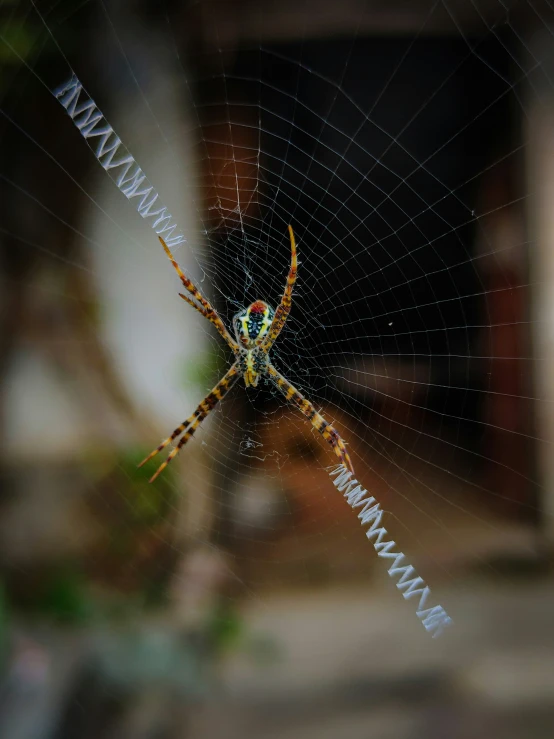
(409, 152)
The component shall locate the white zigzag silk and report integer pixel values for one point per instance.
(122, 168)
(434, 618)
(115, 159)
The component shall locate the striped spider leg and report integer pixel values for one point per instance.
(205, 308)
(329, 432)
(282, 312)
(190, 425)
(256, 329)
(193, 422)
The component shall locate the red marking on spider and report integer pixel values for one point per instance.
(258, 307)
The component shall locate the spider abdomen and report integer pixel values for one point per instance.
(253, 363)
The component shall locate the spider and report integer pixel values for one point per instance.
(256, 329)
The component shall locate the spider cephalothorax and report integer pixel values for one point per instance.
(252, 323)
(256, 329)
(251, 326)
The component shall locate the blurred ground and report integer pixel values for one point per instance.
(360, 666)
(350, 662)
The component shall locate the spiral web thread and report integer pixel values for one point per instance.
(306, 154)
(91, 123)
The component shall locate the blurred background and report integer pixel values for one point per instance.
(411, 146)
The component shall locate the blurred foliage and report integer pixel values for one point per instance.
(59, 593)
(18, 44)
(136, 519)
(149, 503)
(20, 33)
(226, 632)
(204, 368)
(25, 41)
(225, 627)
(145, 504)
(64, 596)
(126, 567)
